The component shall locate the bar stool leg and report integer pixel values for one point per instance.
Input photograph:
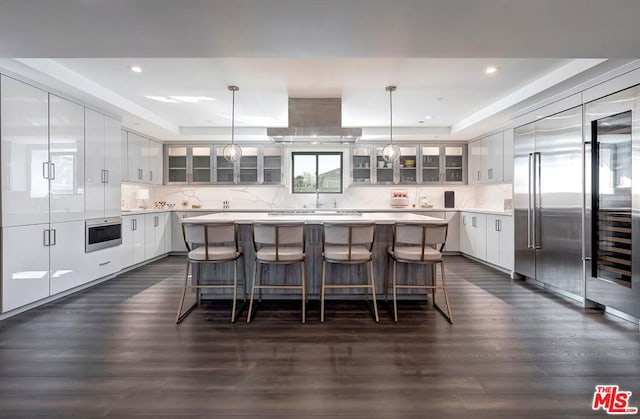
(244, 278)
(395, 297)
(324, 271)
(366, 290)
(386, 277)
(446, 296)
(434, 283)
(303, 270)
(373, 291)
(235, 290)
(184, 292)
(253, 288)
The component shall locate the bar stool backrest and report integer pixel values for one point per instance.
(420, 234)
(213, 234)
(278, 235)
(348, 235)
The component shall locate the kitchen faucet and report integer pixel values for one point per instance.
(318, 204)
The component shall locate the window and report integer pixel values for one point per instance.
(314, 172)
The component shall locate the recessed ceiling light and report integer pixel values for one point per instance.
(490, 70)
(428, 117)
(163, 99)
(135, 68)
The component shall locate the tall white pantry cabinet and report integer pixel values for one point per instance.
(43, 188)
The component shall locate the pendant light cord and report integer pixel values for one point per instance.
(233, 114)
(390, 116)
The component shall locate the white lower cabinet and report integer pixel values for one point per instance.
(25, 265)
(500, 241)
(145, 236)
(488, 237)
(68, 262)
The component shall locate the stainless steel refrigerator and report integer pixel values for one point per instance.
(612, 201)
(548, 201)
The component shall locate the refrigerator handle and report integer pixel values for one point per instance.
(530, 188)
(537, 157)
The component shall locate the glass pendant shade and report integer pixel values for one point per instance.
(232, 152)
(391, 152)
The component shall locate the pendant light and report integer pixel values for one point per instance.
(232, 152)
(391, 151)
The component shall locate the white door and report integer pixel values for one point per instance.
(155, 163)
(94, 163)
(496, 156)
(150, 228)
(128, 227)
(68, 262)
(25, 265)
(138, 239)
(24, 119)
(493, 240)
(133, 158)
(112, 162)
(66, 154)
(474, 162)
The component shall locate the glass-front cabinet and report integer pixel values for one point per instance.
(418, 164)
(205, 164)
(361, 164)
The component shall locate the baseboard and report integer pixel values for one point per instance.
(489, 264)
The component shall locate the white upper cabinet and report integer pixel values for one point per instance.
(134, 171)
(112, 167)
(66, 153)
(124, 164)
(102, 171)
(486, 159)
(155, 163)
(24, 117)
(507, 162)
(94, 164)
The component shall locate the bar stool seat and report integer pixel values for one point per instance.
(344, 253)
(284, 254)
(415, 254)
(215, 253)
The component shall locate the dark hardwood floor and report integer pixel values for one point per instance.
(114, 350)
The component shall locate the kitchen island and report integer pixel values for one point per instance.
(313, 220)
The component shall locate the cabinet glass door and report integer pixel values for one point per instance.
(453, 164)
(408, 158)
(431, 164)
(384, 170)
(361, 162)
(249, 165)
(201, 164)
(224, 168)
(272, 165)
(177, 164)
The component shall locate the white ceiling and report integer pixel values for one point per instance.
(434, 51)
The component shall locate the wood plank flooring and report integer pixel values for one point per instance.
(115, 351)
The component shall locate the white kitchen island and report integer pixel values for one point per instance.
(314, 220)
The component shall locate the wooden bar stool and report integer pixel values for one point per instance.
(419, 243)
(210, 244)
(278, 244)
(348, 243)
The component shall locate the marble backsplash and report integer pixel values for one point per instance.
(268, 197)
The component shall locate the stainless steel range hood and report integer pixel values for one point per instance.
(315, 120)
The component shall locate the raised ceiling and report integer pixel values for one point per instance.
(434, 51)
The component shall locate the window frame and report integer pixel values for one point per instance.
(317, 154)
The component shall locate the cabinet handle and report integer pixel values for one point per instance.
(104, 263)
(478, 174)
(489, 173)
(464, 220)
(45, 170)
(45, 238)
(106, 176)
(150, 175)
(499, 225)
(139, 174)
(52, 174)
(156, 222)
(474, 221)
(53, 242)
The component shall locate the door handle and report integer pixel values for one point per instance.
(46, 239)
(52, 173)
(52, 241)
(537, 157)
(529, 192)
(45, 170)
